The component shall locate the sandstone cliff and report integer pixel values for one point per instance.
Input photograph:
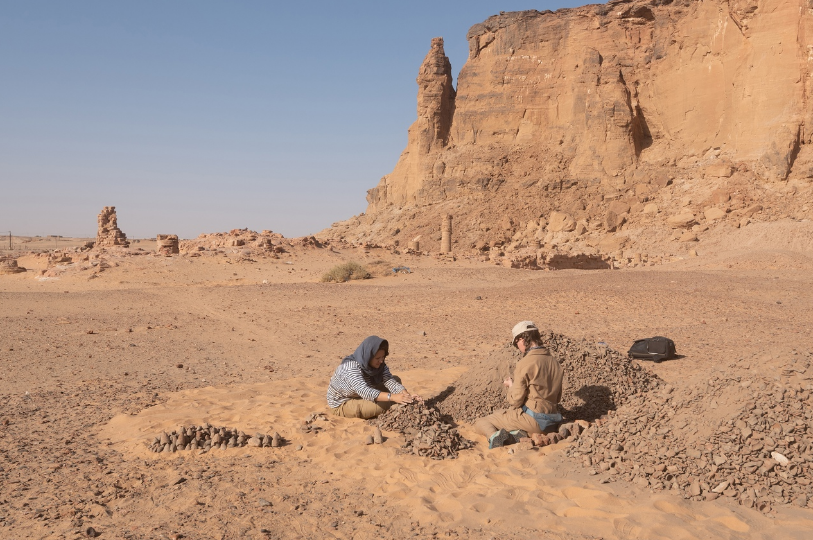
(613, 117)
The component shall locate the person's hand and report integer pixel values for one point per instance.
(508, 382)
(403, 398)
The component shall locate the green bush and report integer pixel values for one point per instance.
(345, 272)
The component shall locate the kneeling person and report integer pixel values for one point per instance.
(362, 385)
(533, 392)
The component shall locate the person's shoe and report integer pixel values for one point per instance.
(517, 434)
(498, 439)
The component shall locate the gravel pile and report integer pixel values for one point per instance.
(597, 379)
(479, 391)
(426, 432)
(749, 439)
(207, 437)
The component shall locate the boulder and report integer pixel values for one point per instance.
(719, 170)
(561, 222)
(714, 213)
(683, 220)
(619, 207)
(719, 196)
(613, 221)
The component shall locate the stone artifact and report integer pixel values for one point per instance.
(109, 233)
(446, 234)
(167, 244)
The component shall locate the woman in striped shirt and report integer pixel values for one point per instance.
(362, 385)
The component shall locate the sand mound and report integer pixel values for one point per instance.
(427, 433)
(597, 380)
(714, 439)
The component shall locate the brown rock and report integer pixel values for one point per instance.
(714, 214)
(540, 439)
(681, 221)
(525, 444)
(612, 220)
(378, 437)
(108, 233)
(167, 244)
(561, 222)
(255, 442)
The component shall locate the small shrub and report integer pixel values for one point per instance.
(345, 272)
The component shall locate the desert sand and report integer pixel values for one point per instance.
(94, 369)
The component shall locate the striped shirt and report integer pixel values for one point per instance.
(349, 382)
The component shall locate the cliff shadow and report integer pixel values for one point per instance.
(641, 136)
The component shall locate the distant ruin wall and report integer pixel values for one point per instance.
(108, 233)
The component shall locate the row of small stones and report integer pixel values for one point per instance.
(207, 437)
(442, 443)
(759, 458)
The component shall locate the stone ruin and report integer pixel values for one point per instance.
(167, 244)
(9, 266)
(755, 447)
(446, 234)
(109, 233)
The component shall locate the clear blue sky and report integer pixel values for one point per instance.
(199, 116)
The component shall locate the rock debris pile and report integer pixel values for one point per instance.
(249, 242)
(479, 391)
(713, 440)
(207, 437)
(597, 380)
(426, 432)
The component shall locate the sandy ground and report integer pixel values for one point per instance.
(89, 374)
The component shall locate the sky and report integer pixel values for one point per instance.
(196, 116)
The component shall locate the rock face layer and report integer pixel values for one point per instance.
(600, 91)
(429, 135)
(585, 108)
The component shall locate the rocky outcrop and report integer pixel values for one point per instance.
(109, 234)
(428, 136)
(650, 104)
(596, 93)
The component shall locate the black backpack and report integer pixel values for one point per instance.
(656, 348)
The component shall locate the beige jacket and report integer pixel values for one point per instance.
(537, 382)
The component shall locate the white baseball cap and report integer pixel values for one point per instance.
(521, 327)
